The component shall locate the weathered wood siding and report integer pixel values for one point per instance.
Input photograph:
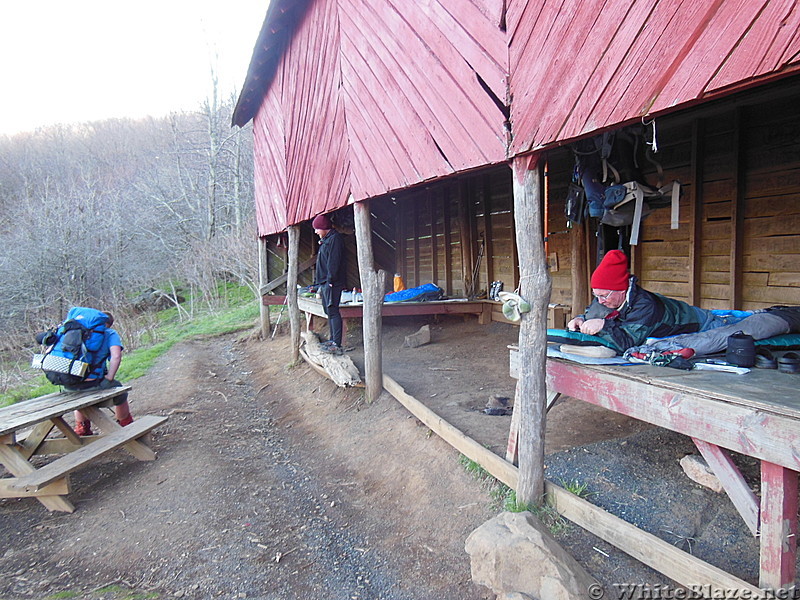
(580, 67)
(379, 95)
(422, 82)
(448, 231)
(738, 244)
(301, 160)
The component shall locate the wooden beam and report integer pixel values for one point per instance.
(579, 273)
(778, 526)
(737, 213)
(467, 249)
(401, 246)
(499, 468)
(291, 291)
(373, 285)
(645, 547)
(487, 231)
(263, 275)
(434, 241)
(281, 279)
(696, 211)
(448, 251)
(18, 466)
(535, 286)
(731, 479)
(415, 233)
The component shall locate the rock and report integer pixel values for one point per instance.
(514, 596)
(515, 553)
(697, 469)
(420, 338)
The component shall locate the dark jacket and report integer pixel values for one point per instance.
(645, 314)
(331, 261)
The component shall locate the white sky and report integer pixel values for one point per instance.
(67, 61)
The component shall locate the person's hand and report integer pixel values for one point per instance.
(575, 324)
(592, 326)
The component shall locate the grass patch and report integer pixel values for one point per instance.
(62, 595)
(573, 486)
(504, 498)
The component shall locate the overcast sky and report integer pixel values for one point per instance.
(68, 61)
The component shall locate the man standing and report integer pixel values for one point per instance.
(331, 278)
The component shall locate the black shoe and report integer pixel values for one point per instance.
(331, 348)
(765, 359)
(789, 363)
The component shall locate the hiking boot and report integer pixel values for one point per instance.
(332, 348)
(83, 428)
(126, 421)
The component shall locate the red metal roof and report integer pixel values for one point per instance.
(579, 67)
(357, 98)
(368, 97)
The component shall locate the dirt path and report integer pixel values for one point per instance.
(274, 484)
(267, 485)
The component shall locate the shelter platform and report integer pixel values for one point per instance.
(756, 414)
(312, 307)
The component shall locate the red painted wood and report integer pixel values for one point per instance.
(747, 430)
(742, 497)
(760, 50)
(575, 71)
(778, 526)
(703, 61)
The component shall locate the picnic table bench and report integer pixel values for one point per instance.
(24, 430)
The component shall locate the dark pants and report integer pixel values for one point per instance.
(331, 296)
(103, 384)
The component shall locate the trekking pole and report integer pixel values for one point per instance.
(272, 337)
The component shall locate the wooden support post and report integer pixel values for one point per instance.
(535, 286)
(373, 285)
(696, 212)
(580, 269)
(737, 213)
(778, 526)
(448, 250)
(467, 249)
(263, 278)
(291, 290)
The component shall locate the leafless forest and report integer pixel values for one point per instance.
(98, 212)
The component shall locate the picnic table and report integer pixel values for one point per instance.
(25, 428)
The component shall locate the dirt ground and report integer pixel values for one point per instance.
(272, 483)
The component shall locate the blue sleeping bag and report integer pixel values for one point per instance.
(422, 293)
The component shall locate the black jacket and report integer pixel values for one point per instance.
(331, 261)
(644, 314)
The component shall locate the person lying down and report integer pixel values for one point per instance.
(625, 315)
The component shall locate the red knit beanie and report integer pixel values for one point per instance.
(612, 272)
(322, 222)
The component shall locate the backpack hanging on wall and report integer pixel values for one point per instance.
(73, 348)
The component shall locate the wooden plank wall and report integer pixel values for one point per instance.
(445, 229)
(738, 244)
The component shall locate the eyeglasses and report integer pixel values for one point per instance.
(605, 297)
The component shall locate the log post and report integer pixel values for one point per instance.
(263, 279)
(373, 287)
(291, 290)
(535, 287)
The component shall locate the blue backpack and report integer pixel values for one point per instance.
(74, 351)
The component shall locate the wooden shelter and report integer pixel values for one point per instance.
(403, 119)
